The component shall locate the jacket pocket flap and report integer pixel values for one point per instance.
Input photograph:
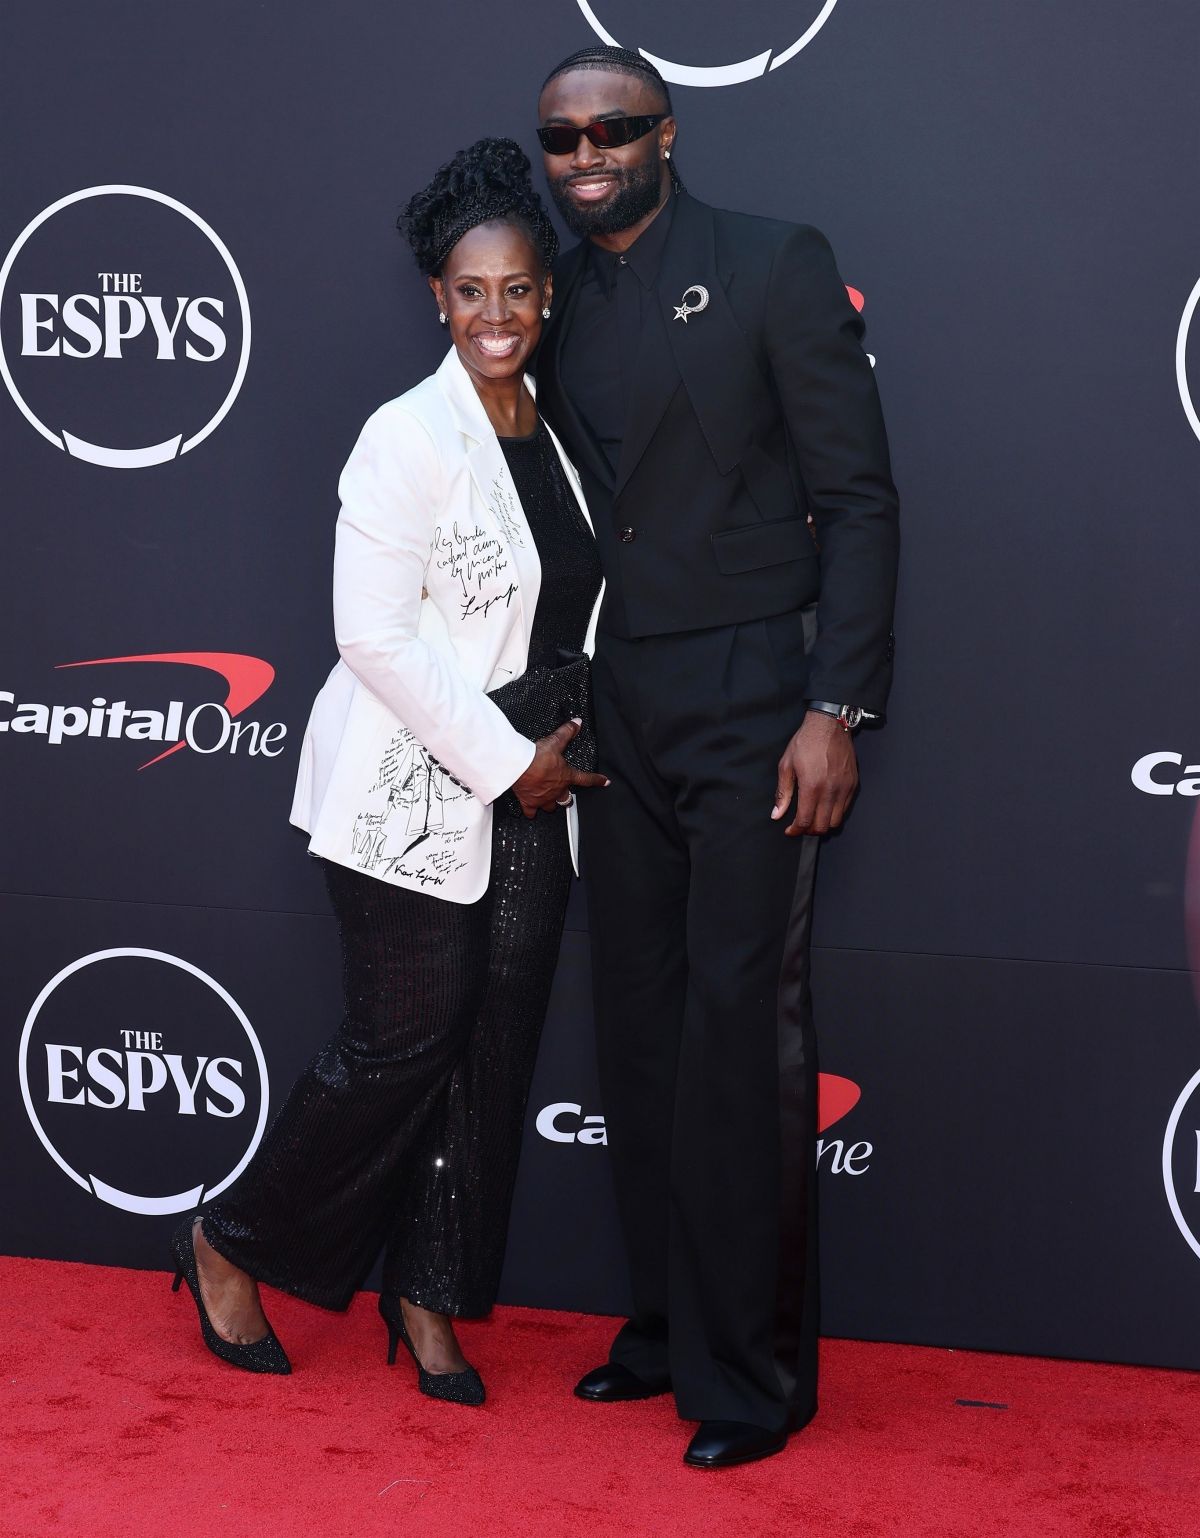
(762, 544)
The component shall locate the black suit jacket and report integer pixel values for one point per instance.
(753, 413)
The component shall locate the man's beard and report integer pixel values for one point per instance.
(637, 195)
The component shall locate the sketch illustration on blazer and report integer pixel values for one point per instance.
(436, 581)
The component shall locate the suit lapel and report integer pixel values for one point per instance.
(707, 351)
(655, 380)
(688, 258)
(725, 386)
(557, 406)
(572, 475)
(569, 469)
(494, 484)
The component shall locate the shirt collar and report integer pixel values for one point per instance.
(643, 258)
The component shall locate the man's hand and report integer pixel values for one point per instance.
(550, 780)
(820, 769)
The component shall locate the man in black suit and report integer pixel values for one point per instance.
(706, 373)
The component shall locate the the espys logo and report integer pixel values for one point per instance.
(564, 1122)
(1187, 366)
(1181, 1162)
(767, 18)
(124, 326)
(208, 727)
(143, 1079)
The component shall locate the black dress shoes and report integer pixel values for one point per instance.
(612, 1382)
(720, 1444)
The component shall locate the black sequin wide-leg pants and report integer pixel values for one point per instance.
(404, 1131)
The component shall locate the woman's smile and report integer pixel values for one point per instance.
(497, 344)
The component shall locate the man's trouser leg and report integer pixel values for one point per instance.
(700, 913)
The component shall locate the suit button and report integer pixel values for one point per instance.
(628, 536)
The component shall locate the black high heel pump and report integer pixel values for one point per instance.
(456, 1387)
(265, 1355)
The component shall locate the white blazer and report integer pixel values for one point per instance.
(435, 583)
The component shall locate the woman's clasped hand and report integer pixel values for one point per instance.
(550, 781)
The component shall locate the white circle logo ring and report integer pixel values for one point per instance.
(1168, 1148)
(155, 453)
(1181, 343)
(717, 74)
(151, 1206)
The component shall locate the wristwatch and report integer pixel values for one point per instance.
(849, 717)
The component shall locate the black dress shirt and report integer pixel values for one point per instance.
(599, 351)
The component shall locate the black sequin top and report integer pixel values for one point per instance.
(565, 546)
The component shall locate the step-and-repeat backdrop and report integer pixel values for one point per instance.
(202, 297)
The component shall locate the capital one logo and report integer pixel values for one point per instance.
(769, 22)
(211, 726)
(1186, 363)
(1181, 1162)
(143, 1079)
(1165, 774)
(565, 1122)
(124, 326)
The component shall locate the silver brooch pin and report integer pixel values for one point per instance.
(682, 311)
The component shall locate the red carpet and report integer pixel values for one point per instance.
(118, 1422)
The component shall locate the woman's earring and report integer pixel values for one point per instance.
(546, 313)
(442, 316)
(666, 154)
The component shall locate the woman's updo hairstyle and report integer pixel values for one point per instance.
(490, 180)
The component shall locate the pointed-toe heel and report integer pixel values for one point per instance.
(454, 1387)
(265, 1355)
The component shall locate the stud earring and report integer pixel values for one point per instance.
(666, 154)
(546, 313)
(442, 316)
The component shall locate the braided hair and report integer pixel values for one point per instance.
(622, 61)
(488, 181)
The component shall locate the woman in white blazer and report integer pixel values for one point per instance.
(464, 557)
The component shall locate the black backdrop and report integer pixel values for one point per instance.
(1002, 955)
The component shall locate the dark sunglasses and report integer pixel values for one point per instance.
(607, 133)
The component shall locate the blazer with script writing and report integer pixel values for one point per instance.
(435, 584)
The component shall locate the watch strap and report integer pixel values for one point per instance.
(847, 716)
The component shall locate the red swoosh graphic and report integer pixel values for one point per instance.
(857, 299)
(246, 678)
(835, 1097)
